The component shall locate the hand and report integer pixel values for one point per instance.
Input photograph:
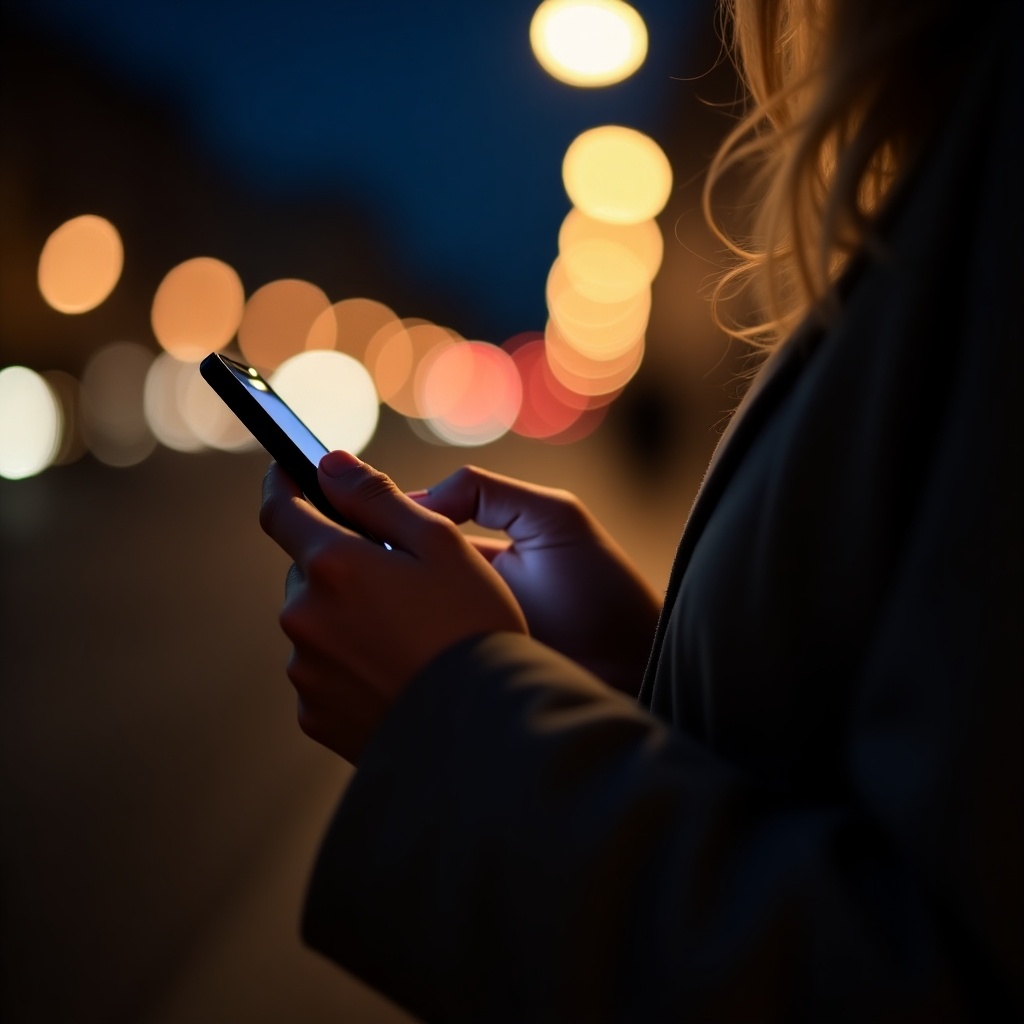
(364, 620)
(580, 593)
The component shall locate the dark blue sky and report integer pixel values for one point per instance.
(434, 119)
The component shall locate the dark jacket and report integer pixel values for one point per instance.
(815, 812)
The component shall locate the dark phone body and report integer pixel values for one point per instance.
(273, 423)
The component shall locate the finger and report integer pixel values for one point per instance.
(370, 501)
(287, 518)
(276, 482)
(489, 547)
(293, 580)
(525, 512)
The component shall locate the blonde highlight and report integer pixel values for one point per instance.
(840, 94)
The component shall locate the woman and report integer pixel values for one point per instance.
(813, 809)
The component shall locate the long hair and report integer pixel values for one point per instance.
(841, 96)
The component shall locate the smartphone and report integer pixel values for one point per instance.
(275, 425)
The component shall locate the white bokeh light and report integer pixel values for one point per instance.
(334, 395)
(164, 402)
(30, 423)
(588, 42)
(210, 420)
(113, 421)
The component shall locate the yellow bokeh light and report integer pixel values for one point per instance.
(197, 308)
(333, 394)
(80, 264)
(113, 419)
(588, 42)
(584, 375)
(599, 330)
(277, 321)
(617, 174)
(30, 423)
(578, 232)
(605, 271)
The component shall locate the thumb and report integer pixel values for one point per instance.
(524, 511)
(371, 502)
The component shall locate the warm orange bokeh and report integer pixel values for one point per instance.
(349, 326)
(80, 264)
(585, 376)
(277, 320)
(197, 308)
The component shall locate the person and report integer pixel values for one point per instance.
(810, 809)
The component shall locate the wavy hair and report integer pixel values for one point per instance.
(840, 97)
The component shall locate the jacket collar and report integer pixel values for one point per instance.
(772, 383)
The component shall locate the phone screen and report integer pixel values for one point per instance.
(272, 403)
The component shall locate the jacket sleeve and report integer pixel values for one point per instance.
(520, 843)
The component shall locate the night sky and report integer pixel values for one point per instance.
(435, 120)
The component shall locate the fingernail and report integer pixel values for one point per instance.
(336, 463)
(416, 495)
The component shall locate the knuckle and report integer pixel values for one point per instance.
(568, 505)
(374, 484)
(322, 567)
(305, 681)
(294, 622)
(309, 721)
(561, 496)
(442, 535)
(294, 668)
(464, 480)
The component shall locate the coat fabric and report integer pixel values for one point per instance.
(814, 811)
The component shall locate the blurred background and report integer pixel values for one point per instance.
(449, 233)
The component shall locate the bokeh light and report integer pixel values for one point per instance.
(197, 308)
(588, 422)
(68, 393)
(586, 376)
(548, 407)
(113, 419)
(599, 330)
(605, 271)
(470, 393)
(617, 174)
(588, 42)
(590, 251)
(422, 432)
(30, 423)
(396, 355)
(80, 264)
(277, 321)
(349, 326)
(165, 400)
(333, 394)
(209, 419)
